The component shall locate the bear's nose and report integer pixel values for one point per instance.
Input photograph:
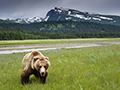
(42, 73)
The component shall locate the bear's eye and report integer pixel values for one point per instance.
(44, 66)
(40, 66)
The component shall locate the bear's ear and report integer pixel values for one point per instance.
(46, 58)
(33, 61)
(48, 63)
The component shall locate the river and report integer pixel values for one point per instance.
(41, 47)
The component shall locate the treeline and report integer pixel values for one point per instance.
(14, 34)
(63, 27)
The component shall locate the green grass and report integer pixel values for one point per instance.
(51, 41)
(93, 68)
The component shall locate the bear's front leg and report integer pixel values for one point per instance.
(24, 77)
(37, 75)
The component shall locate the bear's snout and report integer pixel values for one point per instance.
(42, 73)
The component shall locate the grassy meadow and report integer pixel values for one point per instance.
(54, 41)
(91, 68)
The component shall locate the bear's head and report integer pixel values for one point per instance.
(40, 64)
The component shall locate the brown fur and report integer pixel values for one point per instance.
(32, 63)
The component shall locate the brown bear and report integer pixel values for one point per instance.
(34, 63)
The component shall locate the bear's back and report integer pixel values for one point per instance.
(26, 60)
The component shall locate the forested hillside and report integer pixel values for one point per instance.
(63, 26)
(14, 34)
(57, 30)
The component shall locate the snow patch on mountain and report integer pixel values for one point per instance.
(80, 16)
(105, 18)
(96, 19)
(68, 18)
(26, 20)
(69, 12)
(46, 18)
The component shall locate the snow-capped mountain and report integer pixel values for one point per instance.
(72, 15)
(26, 20)
(75, 15)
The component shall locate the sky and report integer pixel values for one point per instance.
(13, 9)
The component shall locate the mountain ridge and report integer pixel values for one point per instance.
(75, 15)
(64, 14)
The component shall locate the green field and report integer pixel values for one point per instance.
(51, 41)
(92, 68)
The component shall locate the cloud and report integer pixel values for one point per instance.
(17, 14)
(31, 8)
